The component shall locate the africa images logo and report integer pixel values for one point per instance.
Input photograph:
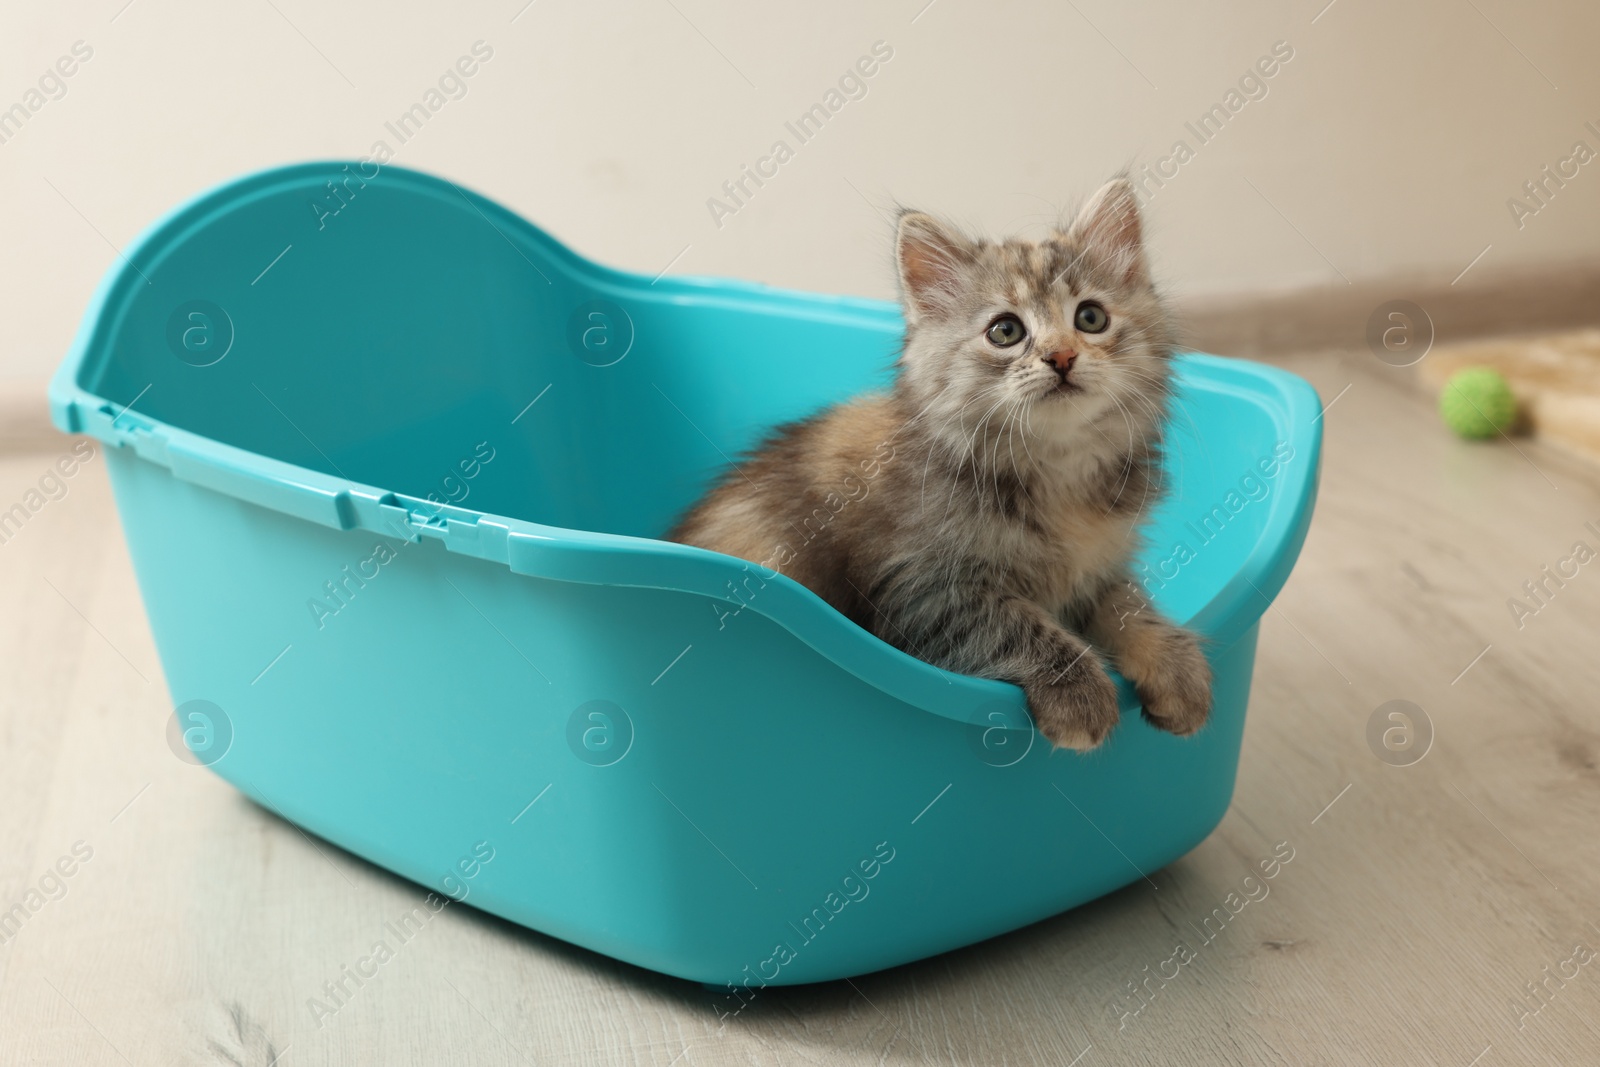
(1254, 486)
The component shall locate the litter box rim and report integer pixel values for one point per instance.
(588, 557)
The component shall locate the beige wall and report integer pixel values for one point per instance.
(1390, 142)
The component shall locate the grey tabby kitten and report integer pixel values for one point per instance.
(981, 515)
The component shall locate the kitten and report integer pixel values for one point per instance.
(981, 514)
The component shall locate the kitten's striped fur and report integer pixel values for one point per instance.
(982, 514)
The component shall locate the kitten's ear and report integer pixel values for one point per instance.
(1109, 225)
(930, 257)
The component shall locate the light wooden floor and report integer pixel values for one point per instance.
(1420, 902)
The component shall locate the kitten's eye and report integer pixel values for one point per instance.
(1091, 317)
(1006, 331)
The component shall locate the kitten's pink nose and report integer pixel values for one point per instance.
(1062, 361)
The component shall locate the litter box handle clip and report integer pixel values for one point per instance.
(414, 519)
(460, 530)
(119, 426)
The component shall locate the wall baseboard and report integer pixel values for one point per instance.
(25, 418)
(1485, 303)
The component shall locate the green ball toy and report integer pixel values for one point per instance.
(1477, 403)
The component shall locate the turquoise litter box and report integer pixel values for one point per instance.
(390, 462)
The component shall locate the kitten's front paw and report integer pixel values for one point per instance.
(1077, 709)
(1176, 691)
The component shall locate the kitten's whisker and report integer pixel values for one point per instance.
(969, 445)
(1149, 483)
(1161, 411)
(993, 444)
(1127, 467)
(977, 455)
(1012, 418)
(933, 450)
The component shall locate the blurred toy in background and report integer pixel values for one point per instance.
(1553, 381)
(1477, 403)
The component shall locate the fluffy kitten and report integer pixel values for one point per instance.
(981, 515)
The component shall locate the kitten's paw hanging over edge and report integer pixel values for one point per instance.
(1077, 709)
(1176, 690)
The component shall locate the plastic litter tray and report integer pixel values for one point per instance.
(390, 477)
